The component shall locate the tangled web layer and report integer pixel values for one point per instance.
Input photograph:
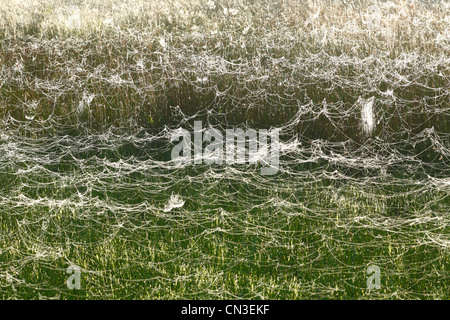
(89, 101)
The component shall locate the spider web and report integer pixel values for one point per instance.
(90, 94)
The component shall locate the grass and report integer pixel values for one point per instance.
(89, 91)
(269, 57)
(283, 239)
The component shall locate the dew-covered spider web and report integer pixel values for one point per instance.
(91, 93)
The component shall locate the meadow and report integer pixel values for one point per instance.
(91, 92)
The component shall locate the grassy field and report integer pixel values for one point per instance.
(91, 91)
